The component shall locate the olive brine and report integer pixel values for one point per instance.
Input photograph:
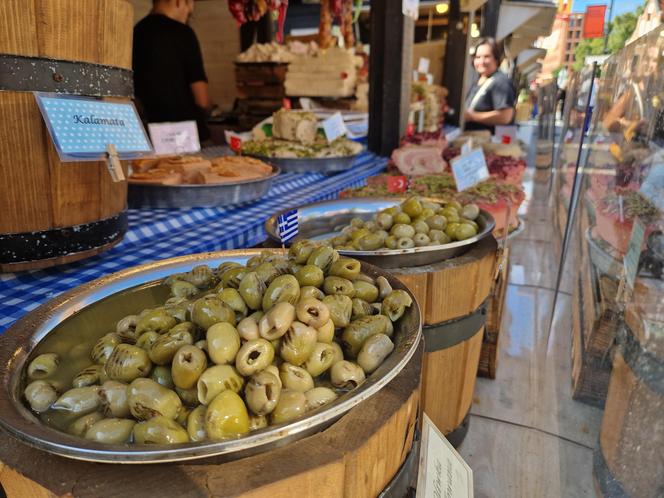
(232, 350)
(413, 223)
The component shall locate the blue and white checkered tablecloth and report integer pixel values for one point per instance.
(165, 233)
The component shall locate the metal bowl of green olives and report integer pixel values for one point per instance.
(391, 232)
(222, 354)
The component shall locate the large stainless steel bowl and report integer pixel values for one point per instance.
(106, 300)
(325, 219)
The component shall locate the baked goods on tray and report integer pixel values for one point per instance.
(196, 170)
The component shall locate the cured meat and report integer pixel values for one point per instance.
(419, 160)
(347, 23)
(325, 26)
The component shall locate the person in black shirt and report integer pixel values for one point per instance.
(492, 97)
(169, 79)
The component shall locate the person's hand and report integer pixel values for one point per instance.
(469, 115)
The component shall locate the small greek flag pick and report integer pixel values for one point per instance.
(287, 225)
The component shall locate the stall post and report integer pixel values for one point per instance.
(456, 56)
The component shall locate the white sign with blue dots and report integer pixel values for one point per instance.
(82, 128)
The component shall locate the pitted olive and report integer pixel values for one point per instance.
(162, 375)
(160, 430)
(155, 320)
(284, 288)
(369, 242)
(113, 399)
(79, 400)
(127, 363)
(233, 277)
(310, 275)
(145, 341)
(365, 278)
(301, 250)
(262, 392)
(257, 422)
(254, 356)
(111, 431)
(40, 395)
(421, 227)
(266, 273)
(184, 415)
(390, 242)
(323, 257)
(361, 308)
(395, 304)
(384, 287)
(178, 308)
(405, 243)
(357, 222)
(227, 265)
(326, 332)
(346, 375)
(412, 207)
(310, 291)
(164, 348)
(319, 396)
(401, 219)
(312, 312)
(89, 376)
(338, 352)
(201, 276)
(274, 370)
(439, 237)
(465, 231)
(275, 322)
(359, 330)
(226, 417)
(384, 220)
(196, 424)
(298, 343)
(338, 285)
(421, 239)
(147, 399)
(248, 329)
(252, 289)
(295, 378)
(223, 342)
(365, 291)
(291, 405)
(235, 301)
(126, 329)
(401, 230)
(210, 310)
(103, 348)
(81, 425)
(320, 359)
(217, 379)
(189, 397)
(180, 288)
(374, 351)
(470, 211)
(341, 309)
(188, 365)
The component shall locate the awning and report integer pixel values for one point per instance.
(525, 20)
(528, 56)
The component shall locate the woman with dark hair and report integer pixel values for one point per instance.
(492, 97)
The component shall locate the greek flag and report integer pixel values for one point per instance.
(287, 225)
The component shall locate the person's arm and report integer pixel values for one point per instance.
(201, 95)
(491, 118)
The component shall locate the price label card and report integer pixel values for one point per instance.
(82, 128)
(175, 138)
(469, 169)
(467, 146)
(442, 471)
(423, 65)
(631, 259)
(334, 127)
(411, 8)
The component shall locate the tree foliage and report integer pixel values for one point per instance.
(620, 29)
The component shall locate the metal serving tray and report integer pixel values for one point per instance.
(97, 304)
(323, 220)
(310, 164)
(142, 195)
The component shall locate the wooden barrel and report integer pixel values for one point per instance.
(358, 456)
(56, 212)
(629, 461)
(453, 298)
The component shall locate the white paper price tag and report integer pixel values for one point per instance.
(423, 65)
(174, 138)
(442, 471)
(469, 169)
(334, 127)
(411, 8)
(631, 259)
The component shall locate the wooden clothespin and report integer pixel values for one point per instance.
(113, 163)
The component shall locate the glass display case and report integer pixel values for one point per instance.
(616, 260)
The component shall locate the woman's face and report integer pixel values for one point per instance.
(484, 61)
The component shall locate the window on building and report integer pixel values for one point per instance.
(569, 46)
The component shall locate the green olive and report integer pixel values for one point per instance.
(284, 288)
(470, 211)
(248, 328)
(465, 231)
(346, 375)
(470, 222)
(320, 359)
(420, 227)
(359, 330)
(348, 268)
(295, 378)
(251, 290)
(162, 375)
(298, 343)
(365, 291)
(412, 207)
(79, 400)
(358, 233)
(338, 285)
(455, 204)
(234, 300)
(233, 277)
(310, 275)
(361, 308)
(312, 312)
(127, 363)
(319, 396)
(405, 243)
(189, 396)
(374, 351)
(147, 399)
(126, 328)
(223, 342)
(226, 417)
(338, 352)
(275, 322)
(291, 405)
(160, 430)
(40, 395)
(180, 288)
(254, 356)
(196, 424)
(341, 308)
(311, 291)
(156, 320)
(81, 425)
(188, 365)
(99, 354)
(164, 348)
(262, 392)
(88, 376)
(323, 257)
(326, 332)
(451, 214)
(426, 212)
(401, 218)
(146, 340)
(391, 242)
(436, 222)
(439, 237)
(450, 231)
(384, 220)
(227, 265)
(400, 231)
(369, 242)
(394, 210)
(339, 240)
(301, 250)
(267, 272)
(210, 310)
(395, 304)
(421, 239)
(217, 379)
(111, 431)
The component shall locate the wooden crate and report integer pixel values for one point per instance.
(489, 352)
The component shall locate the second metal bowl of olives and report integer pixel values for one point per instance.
(69, 324)
(323, 220)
